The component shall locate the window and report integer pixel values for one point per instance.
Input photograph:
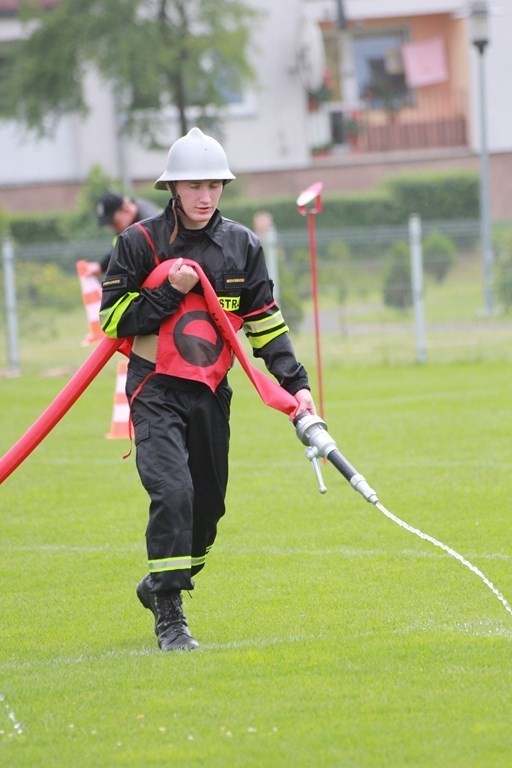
(379, 69)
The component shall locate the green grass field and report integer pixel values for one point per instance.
(329, 635)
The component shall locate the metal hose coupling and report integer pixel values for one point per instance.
(312, 432)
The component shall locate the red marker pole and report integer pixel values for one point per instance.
(309, 203)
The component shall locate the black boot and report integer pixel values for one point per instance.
(171, 626)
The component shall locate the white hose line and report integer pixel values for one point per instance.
(449, 550)
(18, 730)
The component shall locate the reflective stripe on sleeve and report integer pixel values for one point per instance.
(109, 318)
(264, 328)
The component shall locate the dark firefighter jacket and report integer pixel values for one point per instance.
(231, 257)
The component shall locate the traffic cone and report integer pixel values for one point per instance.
(91, 297)
(120, 426)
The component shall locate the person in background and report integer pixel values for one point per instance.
(177, 381)
(118, 212)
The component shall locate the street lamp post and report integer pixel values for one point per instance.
(479, 19)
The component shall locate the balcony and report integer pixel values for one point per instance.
(429, 121)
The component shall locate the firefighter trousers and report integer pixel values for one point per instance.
(181, 431)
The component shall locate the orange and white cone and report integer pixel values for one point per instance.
(91, 297)
(120, 425)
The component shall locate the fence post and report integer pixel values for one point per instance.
(11, 316)
(417, 285)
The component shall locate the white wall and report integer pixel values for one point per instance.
(272, 135)
(26, 160)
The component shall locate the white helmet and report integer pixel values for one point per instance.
(195, 157)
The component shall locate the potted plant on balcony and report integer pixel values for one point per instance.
(322, 150)
(353, 127)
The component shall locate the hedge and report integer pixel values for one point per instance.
(434, 196)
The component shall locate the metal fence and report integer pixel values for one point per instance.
(368, 312)
(367, 308)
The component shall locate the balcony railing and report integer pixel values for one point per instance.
(429, 121)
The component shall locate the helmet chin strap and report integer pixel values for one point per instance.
(176, 208)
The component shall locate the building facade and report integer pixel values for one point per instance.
(346, 91)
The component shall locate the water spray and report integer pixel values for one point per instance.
(312, 432)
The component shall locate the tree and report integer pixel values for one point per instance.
(157, 54)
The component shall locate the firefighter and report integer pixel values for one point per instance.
(118, 212)
(177, 381)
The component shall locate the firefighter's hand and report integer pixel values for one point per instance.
(182, 276)
(305, 403)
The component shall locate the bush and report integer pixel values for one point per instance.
(334, 269)
(40, 227)
(397, 276)
(365, 209)
(46, 285)
(503, 276)
(436, 195)
(289, 301)
(4, 223)
(439, 255)
(441, 196)
(504, 280)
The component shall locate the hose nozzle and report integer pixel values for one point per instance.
(312, 431)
